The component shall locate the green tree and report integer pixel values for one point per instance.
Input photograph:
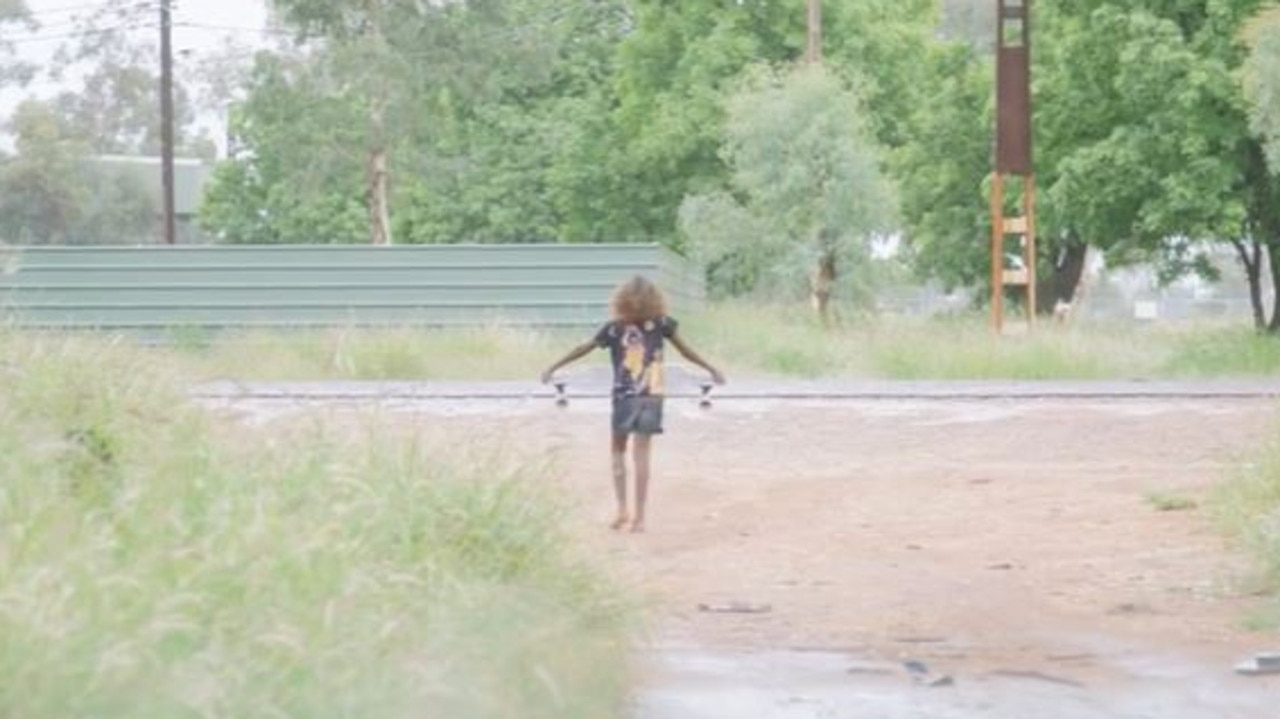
(14, 14)
(55, 189)
(51, 193)
(1260, 76)
(393, 58)
(521, 120)
(806, 179)
(368, 74)
(1145, 147)
(1262, 92)
(445, 121)
(529, 159)
(682, 59)
(114, 104)
(944, 165)
(941, 167)
(298, 177)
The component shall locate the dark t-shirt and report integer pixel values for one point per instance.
(636, 353)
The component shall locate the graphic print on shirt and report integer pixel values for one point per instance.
(642, 358)
(637, 355)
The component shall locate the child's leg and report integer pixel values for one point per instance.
(642, 445)
(620, 479)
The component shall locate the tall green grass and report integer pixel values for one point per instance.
(1223, 352)
(156, 563)
(751, 339)
(351, 353)
(786, 341)
(1247, 507)
(968, 349)
(790, 341)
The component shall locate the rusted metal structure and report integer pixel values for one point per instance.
(1013, 158)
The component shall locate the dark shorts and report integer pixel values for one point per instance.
(637, 415)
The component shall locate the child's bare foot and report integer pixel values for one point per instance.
(620, 522)
(637, 527)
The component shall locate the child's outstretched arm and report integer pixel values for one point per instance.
(694, 357)
(574, 355)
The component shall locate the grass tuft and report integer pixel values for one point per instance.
(790, 341)
(1247, 507)
(1223, 352)
(154, 563)
(749, 339)
(1166, 502)
(496, 352)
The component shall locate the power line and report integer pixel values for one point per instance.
(81, 33)
(39, 32)
(105, 5)
(45, 27)
(533, 23)
(68, 9)
(233, 29)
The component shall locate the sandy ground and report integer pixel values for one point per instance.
(983, 537)
(1002, 530)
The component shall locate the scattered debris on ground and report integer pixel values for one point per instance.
(1036, 676)
(735, 608)
(921, 674)
(1262, 664)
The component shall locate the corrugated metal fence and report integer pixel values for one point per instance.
(323, 285)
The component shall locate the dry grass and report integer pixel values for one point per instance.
(755, 340)
(1247, 506)
(789, 341)
(156, 564)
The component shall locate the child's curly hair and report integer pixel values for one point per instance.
(637, 300)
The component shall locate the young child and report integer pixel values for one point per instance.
(635, 338)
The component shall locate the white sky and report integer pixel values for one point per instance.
(221, 20)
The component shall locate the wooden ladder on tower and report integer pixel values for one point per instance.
(1023, 228)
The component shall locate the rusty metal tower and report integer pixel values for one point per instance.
(1013, 158)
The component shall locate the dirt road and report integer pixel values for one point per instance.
(991, 540)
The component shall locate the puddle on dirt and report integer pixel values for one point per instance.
(811, 685)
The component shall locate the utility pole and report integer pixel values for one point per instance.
(166, 119)
(813, 50)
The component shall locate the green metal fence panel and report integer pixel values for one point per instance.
(323, 285)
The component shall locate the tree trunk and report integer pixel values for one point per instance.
(1264, 229)
(1273, 261)
(821, 284)
(1251, 257)
(379, 203)
(379, 190)
(1068, 268)
(379, 207)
